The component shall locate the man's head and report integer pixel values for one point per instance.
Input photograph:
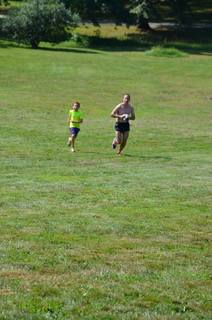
(126, 98)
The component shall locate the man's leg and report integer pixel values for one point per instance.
(118, 139)
(124, 141)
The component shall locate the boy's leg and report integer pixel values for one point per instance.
(73, 137)
(74, 132)
(69, 139)
(69, 142)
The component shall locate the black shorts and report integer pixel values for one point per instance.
(122, 126)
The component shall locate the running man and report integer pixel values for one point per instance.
(123, 112)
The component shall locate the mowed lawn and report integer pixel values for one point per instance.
(92, 235)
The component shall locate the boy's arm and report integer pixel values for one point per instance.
(81, 117)
(69, 119)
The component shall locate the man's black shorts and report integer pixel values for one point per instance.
(122, 126)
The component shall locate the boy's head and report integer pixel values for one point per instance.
(76, 105)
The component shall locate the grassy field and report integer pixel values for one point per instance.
(92, 235)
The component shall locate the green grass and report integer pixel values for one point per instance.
(166, 52)
(91, 235)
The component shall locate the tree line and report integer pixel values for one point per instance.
(138, 12)
(53, 20)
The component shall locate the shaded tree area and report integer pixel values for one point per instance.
(180, 12)
(53, 20)
(139, 12)
(96, 10)
(144, 11)
(4, 2)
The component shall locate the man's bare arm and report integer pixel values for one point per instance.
(132, 116)
(114, 113)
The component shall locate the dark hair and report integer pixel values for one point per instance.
(127, 94)
(76, 102)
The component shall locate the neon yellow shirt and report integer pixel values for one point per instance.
(75, 116)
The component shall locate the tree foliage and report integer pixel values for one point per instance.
(49, 20)
(144, 11)
(180, 10)
(40, 20)
(139, 12)
(4, 2)
(96, 10)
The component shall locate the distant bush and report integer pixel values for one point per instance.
(4, 2)
(165, 52)
(40, 20)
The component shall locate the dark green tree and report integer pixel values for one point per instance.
(40, 20)
(96, 10)
(5, 2)
(144, 11)
(180, 10)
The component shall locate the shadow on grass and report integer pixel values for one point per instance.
(72, 50)
(147, 157)
(114, 44)
(190, 41)
(5, 44)
(135, 156)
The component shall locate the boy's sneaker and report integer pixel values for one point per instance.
(72, 149)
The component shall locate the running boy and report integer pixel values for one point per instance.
(74, 120)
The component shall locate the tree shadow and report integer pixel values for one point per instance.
(72, 50)
(114, 44)
(191, 41)
(188, 40)
(5, 44)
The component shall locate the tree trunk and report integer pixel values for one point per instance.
(34, 44)
(143, 24)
